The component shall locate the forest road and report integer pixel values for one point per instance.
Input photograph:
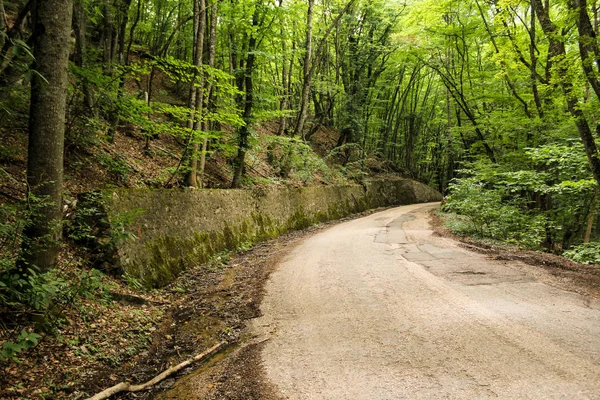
(378, 308)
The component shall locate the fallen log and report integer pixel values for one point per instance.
(127, 387)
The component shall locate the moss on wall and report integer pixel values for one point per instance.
(176, 229)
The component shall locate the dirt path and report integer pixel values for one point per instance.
(378, 308)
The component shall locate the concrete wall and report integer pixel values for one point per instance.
(176, 229)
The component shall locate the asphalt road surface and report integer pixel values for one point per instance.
(378, 308)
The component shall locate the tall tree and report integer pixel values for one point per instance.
(212, 48)
(197, 99)
(557, 55)
(247, 82)
(51, 39)
(307, 67)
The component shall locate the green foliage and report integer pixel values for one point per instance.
(547, 200)
(293, 158)
(586, 253)
(116, 166)
(25, 340)
(27, 291)
(491, 215)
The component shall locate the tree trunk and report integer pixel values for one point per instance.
(298, 130)
(124, 19)
(51, 38)
(80, 24)
(132, 28)
(284, 78)
(533, 56)
(2, 24)
(557, 51)
(107, 39)
(192, 176)
(588, 48)
(212, 48)
(118, 50)
(244, 133)
(590, 219)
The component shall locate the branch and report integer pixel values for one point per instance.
(127, 387)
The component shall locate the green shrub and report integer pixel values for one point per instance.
(491, 215)
(10, 350)
(117, 167)
(586, 253)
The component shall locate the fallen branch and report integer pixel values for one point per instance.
(127, 387)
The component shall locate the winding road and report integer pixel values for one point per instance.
(378, 308)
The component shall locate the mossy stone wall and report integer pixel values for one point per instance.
(176, 229)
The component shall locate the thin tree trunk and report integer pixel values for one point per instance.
(124, 15)
(2, 24)
(7, 53)
(591, 215)
(51, 38)
(298, 130)
(284, 78)
(533, 56)
(132, 28)
(244, 133)
(212, 48)
(80, 23)
(509, 81)
(588, 48)
(107, 34)
(192, 176)
(118, 52)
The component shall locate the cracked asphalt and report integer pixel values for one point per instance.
(379, 308)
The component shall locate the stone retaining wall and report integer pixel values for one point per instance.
(161, 232)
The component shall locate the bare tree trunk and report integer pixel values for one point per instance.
(51, 37)
(192, 176)
(132, 28)
(533, 56)
(509, 81)
(107, 34)
(124, 19)
(284, 78)
(118, 52)
(244, 133)
(2, 24)
(16, 31)
(298, 130)
(212, 47)
(588, 48)
(80, 24)
(591, 215)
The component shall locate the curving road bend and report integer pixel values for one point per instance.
(378, 308)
